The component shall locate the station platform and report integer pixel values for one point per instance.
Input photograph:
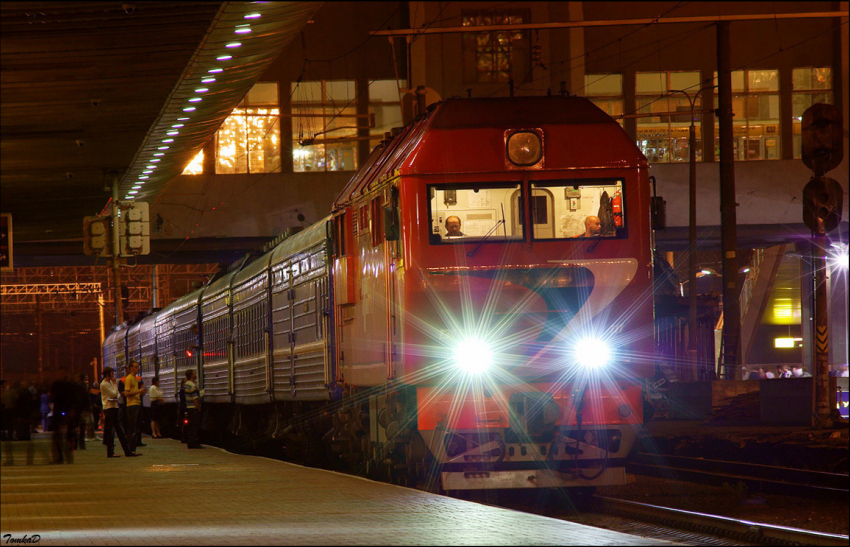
(175, 496)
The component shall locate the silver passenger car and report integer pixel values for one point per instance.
(217, 347)
(300, 299)
(186, 336)
(251, 333)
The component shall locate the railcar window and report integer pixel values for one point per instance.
(461, 213)
(578, 209)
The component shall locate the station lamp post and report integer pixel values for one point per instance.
(692, 228)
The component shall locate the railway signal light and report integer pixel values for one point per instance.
(822, 202)
(823, 138)
(97, 236)
(134, 228)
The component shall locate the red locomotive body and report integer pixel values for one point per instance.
(489, 302)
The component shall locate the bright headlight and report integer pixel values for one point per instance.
(473, 356)
(592, 353)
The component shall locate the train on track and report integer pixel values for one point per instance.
(507, 353)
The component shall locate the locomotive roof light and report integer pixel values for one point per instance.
(473, 356)
(524, 148)
(592, 353)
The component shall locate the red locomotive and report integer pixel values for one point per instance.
(474, 314)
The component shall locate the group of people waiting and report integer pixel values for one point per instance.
(72, 411)
(784, 371)
(133, 390)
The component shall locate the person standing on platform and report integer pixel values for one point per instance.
(64, 418)
(83, 410)
(157, 400)
(182, 417)
(23, 412)
(133, 393)
(193, 407)
(96, 407)
(45, 410)
(10, 398)
(111, 423)
(798, 372)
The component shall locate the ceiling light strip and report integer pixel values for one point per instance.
(224, 81)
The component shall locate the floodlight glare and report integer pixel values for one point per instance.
(473, 356)
(592, 353)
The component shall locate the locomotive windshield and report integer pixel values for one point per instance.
(577, 209)
(470, 212)
(560, 209)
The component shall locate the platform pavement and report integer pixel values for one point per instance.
(175, 496)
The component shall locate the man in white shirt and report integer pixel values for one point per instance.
(111, 424)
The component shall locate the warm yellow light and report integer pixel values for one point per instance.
(783, 308)
(786, 342)
(196, 166)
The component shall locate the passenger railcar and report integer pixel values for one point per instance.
(508, 355)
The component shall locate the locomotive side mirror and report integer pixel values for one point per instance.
(391, 228)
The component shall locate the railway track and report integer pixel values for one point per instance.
(763, 478)
(739, 531)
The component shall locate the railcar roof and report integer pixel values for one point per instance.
(518, 112)
(298, 242)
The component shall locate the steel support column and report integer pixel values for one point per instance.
(728, 217)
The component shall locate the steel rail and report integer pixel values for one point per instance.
(781, 480)
(760, 533)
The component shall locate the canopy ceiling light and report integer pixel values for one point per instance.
(236, 65)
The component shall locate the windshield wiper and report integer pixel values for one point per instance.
(488, 234)
(594, 244)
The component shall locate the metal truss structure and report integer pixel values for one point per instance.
(88, 288)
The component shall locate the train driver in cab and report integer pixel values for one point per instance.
(453, 227)
(592, 227)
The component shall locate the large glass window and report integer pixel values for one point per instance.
(325, 122)
(606, 92)
(324, 126)
(249, 139)
(460, 213)
(663, 138)
(576, 209)
(496, 56)
(810, 86)
(755, 125)
(384, 108)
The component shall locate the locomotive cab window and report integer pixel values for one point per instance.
(461, 213)
(578, 209)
